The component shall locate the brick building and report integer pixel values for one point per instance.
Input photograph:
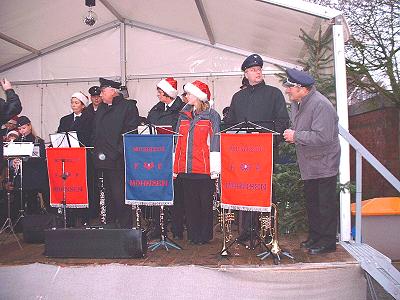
(376, 125)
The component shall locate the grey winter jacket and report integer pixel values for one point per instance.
(316, 138)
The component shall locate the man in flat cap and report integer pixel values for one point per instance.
(261, 104)
(315, 135)
(8, 108)
(114, 117)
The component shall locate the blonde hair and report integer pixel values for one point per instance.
(202, 106)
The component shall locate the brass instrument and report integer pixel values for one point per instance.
(102, 196)
(274, 248)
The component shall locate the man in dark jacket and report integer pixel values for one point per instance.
(114, 117)
(8, 108)
(166, 112)
(261, 104)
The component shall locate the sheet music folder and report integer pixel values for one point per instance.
(17, 149)
(65, 140)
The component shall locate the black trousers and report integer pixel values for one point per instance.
(198, 202)
(178, 209)
(116, 209)
(321, 205)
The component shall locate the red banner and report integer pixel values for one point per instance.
(246, 171)
(68, 163)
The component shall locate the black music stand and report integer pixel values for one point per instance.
(164, 241)
(247, 127)
(8, 222)
(67, 139)
(19, 150)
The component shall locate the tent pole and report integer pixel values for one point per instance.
(342, 110)
(123, 52)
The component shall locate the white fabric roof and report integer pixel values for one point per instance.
(49, 53)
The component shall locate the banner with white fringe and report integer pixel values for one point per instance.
(148, 169)
(67, 173)
(246, 171)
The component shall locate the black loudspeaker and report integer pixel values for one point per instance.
(33, 227)
(95, 243)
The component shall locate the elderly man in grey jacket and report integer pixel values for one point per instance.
(315, 135)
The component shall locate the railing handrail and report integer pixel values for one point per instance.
(370, 158)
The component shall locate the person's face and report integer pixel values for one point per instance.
(107, 94)
(184, 97)
(10, 126)
(77, 106)
(254, 75)
(11, 138)
(25, 129)
(296, 93)
(162, 96)
(96, 100)
(192, 100)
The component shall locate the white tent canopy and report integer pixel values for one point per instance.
(49, 53)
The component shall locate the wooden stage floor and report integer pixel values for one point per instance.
(202, 255)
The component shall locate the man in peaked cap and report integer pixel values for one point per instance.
(315, 135)
(166, 112)
(95, 98)
(114, 117)
(261, 104)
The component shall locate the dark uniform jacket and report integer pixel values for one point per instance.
(159, 116)
(9, 109)
(34, 169)
(82, 125)
(110, 123)
(259, 104)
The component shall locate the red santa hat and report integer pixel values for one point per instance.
(170, 86)
(198, 89)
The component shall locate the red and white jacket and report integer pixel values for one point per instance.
(197, 138)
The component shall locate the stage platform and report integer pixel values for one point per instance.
(196, 272)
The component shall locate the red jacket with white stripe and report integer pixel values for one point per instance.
(197, 138)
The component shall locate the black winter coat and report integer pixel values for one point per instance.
(259, 104)
(82, 125)
(110, 123)
(159, 116)
(8, 109)
(34, 169)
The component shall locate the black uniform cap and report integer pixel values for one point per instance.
(94, 91)
(109, 83)
(299, 78)
(23, 120)
(251, 61)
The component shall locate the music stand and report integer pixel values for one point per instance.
(164, 241)
(17, 150)
(8, 222)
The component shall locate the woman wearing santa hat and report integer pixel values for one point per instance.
(198, 144)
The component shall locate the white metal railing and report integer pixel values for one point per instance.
(362, 152)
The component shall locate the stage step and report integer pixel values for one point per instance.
(376, 265)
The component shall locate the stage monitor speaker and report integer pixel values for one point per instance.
(95, 243)
(33, 227)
